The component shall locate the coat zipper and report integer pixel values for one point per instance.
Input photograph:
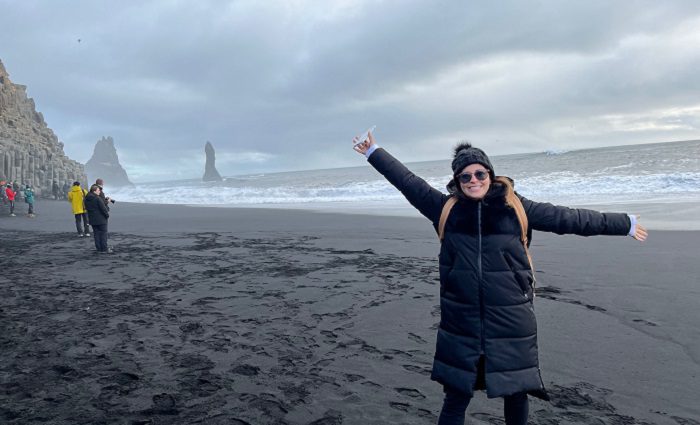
(481, 289)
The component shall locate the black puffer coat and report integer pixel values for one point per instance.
(486, 283)
(97, 211)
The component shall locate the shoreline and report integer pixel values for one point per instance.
(218, 315)
(679, 216)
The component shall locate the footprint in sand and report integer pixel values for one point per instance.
(192, 362)
(371, 384)
(331, 417)
(329, 334)
(205, 387)
(416, 338)
(266, 403)
(407, 408)
(353, 378)
(246, 370)
(581, 396)
(399, 406)
(66, 372)
(410, 392)
(685, 421)
(647, 323)
(550, 292)
(192, 328)
(164, 404)
(417, 369)
(595, 308)
(124, 379)
(489, 419)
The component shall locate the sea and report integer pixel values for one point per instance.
(661, 182)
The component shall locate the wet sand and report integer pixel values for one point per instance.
(235, 316)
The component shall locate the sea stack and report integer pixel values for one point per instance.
(210, 173)
(30, 152)
(105, 165)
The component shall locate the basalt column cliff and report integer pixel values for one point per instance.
(30, 152)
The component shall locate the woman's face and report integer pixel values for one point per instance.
(474, 188)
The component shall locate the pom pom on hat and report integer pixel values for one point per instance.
(465, 154)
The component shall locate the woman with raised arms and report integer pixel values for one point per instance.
(487, 338)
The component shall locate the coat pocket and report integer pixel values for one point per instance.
(523, 276)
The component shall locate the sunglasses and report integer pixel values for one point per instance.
(480, 175)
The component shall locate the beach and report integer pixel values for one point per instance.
(274, 316)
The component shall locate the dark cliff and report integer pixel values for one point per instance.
(30, 152)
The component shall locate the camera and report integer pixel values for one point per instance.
(112, 200)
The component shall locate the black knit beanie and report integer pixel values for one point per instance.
(466, 154)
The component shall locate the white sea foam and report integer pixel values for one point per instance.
(563, 186)
(654, 173)
(551, 152)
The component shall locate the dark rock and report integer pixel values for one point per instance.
(105, 165)
(210, 173)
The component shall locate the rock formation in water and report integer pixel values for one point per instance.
(210, 173)
(105, 165)
(30, 152)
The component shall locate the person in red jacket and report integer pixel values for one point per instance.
(11, 198)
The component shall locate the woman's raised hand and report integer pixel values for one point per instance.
(640, 232)
(364, 146)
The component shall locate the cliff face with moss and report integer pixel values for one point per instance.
(30, 152)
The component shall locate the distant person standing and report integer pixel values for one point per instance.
(29, 199)
(105, 199)
(54, 190)
(11, 198)
(3, 195)
(76, 196)
(64, 192)
(98, 215)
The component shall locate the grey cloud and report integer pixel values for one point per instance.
(294, 81)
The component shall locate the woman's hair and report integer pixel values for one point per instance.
(94, 187)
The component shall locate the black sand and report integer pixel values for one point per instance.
(234, 316)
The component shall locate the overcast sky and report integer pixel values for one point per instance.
(285, 85)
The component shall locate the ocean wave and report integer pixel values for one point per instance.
(565, 186)
(572, 184)
(225, 195)
(555, 152)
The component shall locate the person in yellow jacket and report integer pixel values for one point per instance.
(76, 197)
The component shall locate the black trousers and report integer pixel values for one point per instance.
(100, 233)
(515, 408)
(84, 218)
(454, 407)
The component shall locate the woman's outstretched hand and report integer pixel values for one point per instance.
(640, 232)
(364, 146)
